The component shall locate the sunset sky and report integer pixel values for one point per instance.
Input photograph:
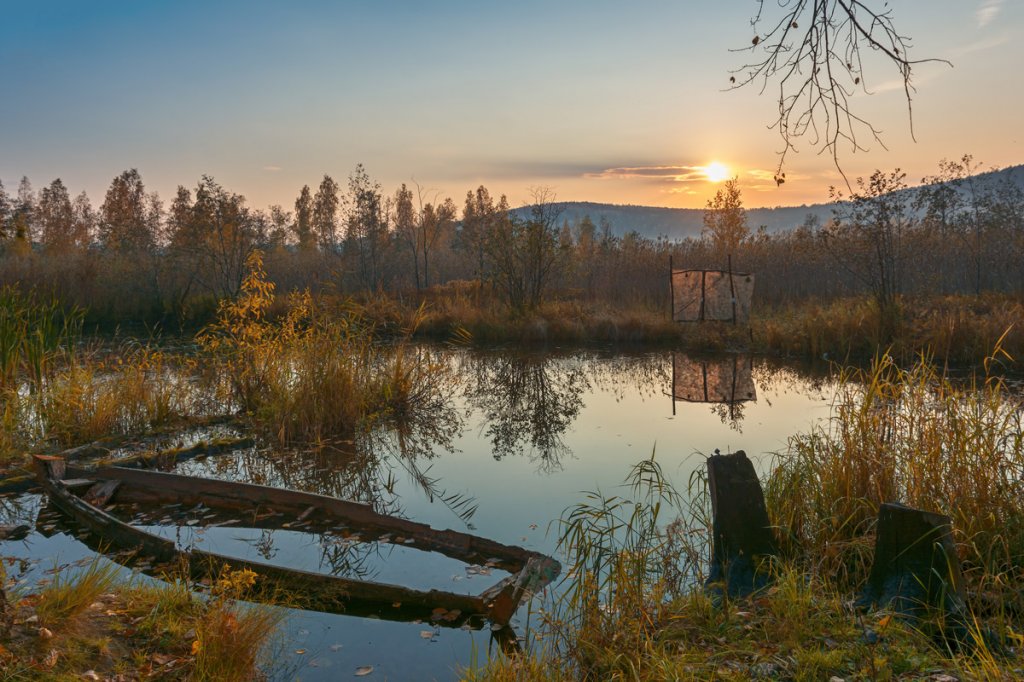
(602, 101)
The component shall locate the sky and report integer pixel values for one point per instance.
(617, 102)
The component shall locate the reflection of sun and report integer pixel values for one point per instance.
(716, 171)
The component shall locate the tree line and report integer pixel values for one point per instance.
(135, 258)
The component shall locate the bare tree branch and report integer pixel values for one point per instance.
(815, 52)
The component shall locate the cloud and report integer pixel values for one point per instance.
(659, 173)
(272, 169)
(979, 45)
(987, 12)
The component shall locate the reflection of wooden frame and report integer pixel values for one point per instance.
(738, 310)
(85, 494)
(738, 368)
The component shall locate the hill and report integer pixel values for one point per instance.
(674, 224)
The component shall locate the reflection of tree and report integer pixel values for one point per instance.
(528, 402)
(364, 468)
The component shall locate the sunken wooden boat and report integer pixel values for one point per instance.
(85, 495)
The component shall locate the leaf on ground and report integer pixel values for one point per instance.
(364, 670)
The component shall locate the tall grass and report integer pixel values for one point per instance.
(915, 436)
(315, 374)
(72, 592)
(137, 391)
(34, 334)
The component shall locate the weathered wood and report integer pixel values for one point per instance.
(916, 569)
(152, 487)
(100, 493)
(324, 592)
(742, 537)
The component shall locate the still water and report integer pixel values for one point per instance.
(519, 438)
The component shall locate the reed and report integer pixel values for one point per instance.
(137, 390)
(915, 436)
(34, 335)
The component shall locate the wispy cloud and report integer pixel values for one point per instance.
(658, 173)
(979, 45)
(272, 169)
(987, 11)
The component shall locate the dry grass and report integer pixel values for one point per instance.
(92, 622)
(62, 602)
(957, 330)
(319, 373)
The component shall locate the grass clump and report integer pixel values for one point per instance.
(91, 622)
(315, 374)
(63, 601)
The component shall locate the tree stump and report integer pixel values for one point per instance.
(742, 535)
(916, 571)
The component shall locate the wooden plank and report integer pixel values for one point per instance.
(100, 493)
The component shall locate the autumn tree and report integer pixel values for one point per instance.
(6, 211)
(59, 229)
(324, 219)
(366, 236)
(480, 217)
(524, 253)
(224, 237)
(406, 228)
(866, 238)
(725, 219)
(128, 217)
(303, 225)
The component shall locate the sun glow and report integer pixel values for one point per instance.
(716, 172)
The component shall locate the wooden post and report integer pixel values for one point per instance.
(671, 289)
(673, 389)
(741, 534)
(916, 568)
(732, 290)
(703, 278)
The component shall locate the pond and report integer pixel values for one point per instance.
(524, 434)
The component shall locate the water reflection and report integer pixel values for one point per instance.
(527, 404)
(727, 383)
(556, 422)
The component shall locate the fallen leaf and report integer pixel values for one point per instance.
(300, 651)
(196, 646)
(51, 658)
(427, 634)
(45, 633)
(364, 670)
(884, 621)
(90, 675)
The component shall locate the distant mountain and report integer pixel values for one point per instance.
(678, 223)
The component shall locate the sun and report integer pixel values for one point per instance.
(716, 171)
